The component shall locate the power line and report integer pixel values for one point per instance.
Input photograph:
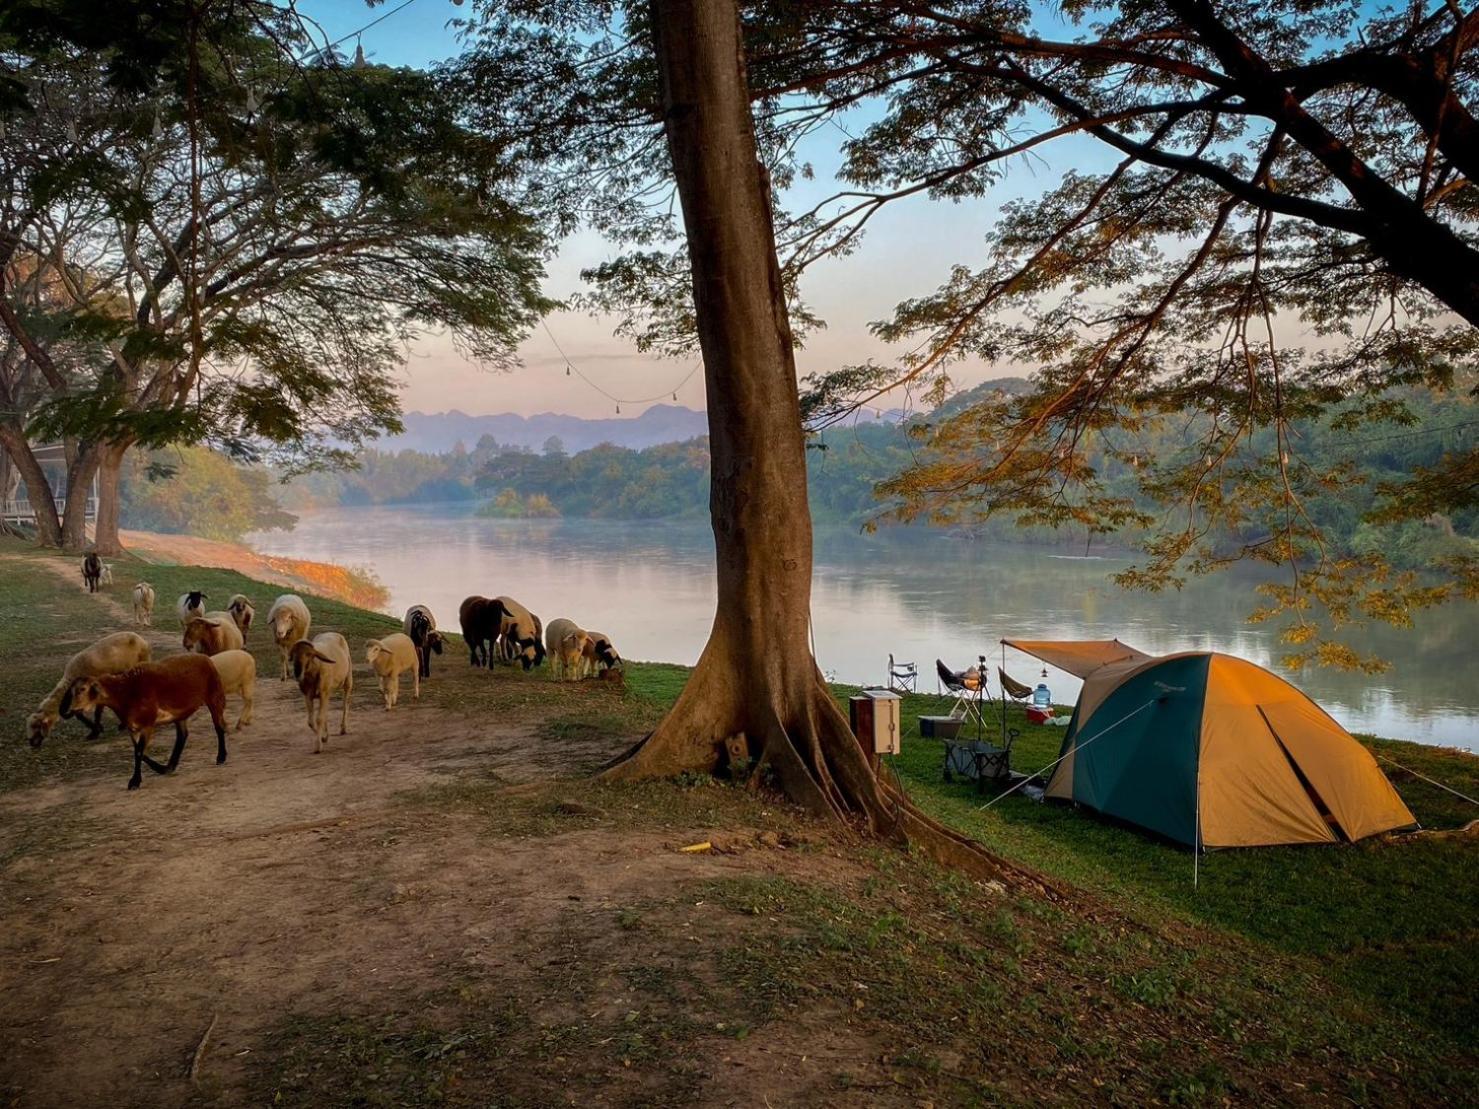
(572, 368)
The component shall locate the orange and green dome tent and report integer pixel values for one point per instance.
(1214, 751)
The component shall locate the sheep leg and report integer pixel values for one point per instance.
(316, 727)
(416, 685)
(140, 741)
(246, 710)
(95, 729)
(182, 733)
(344, 714)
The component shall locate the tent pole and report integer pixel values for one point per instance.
(1003, 695)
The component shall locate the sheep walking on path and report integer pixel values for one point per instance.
(92, 571)
(323, 668)
(391, 657)
(238, 672)
(211, 635)
(166, 692)
(190, 605)
(289, 621)
(144, 604)
(242, 613)
(421, 626)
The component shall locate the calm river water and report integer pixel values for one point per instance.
(919, 594)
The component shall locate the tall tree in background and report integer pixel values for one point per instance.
(240, 234)
(1285, 228)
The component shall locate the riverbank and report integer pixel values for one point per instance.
(444, 908)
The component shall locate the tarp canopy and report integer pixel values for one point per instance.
(1079, 657)
(1216, 751)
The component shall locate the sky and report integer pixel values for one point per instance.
(907, 251)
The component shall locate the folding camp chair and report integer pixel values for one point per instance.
(1012, 687)
(968, 687)
(903, 677)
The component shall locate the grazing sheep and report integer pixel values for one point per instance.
(389, 658)
(190, 605)
(322, 667)
(482, 623)
(238, 672)
(242, 613)
(109, 655)
(421, 626)
(600, 653)
(289, 620)
(144, 603)
(92, 571)
(566, 644)
(107, 575)
(521, 633)
(164, 692)
(211, 635)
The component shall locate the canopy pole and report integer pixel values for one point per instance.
(1003, 694)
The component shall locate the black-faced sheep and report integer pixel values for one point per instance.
(238, 670)
(166, 692)
(421, 626)
(566, 643)
(600, 653)
(92, 571)
(190, 605)
(289, 621)
(143, 603)
(482, 623)
(391, 657)
(242, 613)
(521, 634)
(212, 636)
(322, 667)
(109, 655)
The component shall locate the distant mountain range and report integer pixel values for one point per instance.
(437, 432)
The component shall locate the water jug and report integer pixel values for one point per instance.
(1042, 697)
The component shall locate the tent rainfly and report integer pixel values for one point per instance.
(1079, 657)
(1214, 751)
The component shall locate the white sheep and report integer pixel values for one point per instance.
(389, 658)
(289, 621)
(322, 667)
(566, 642)
(212, 634)
(110, 655)
(242, 613)
(106, 577)
(238, 672)
(190, 605)
(144, 603)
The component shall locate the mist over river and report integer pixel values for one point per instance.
(917, 593)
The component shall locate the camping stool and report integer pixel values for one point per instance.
(979, 761)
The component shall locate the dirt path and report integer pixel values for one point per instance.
(285, 882)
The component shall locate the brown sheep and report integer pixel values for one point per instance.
(166, 692)
(322, 667)
(482, 623)
(212, 636)
(111, 654)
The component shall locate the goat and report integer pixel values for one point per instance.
(190, 605)
(566, 644)
(212, 636)
(92, 571)
(238, 670)
(322, 667)
(521, 634)
(289, 620)
(600, 652)
(110, 655)
(482, 623)
(144, 603)
(389, 658)
(421, 626)
(242, 613)
(166, 692)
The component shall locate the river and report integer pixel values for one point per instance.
(916, 593)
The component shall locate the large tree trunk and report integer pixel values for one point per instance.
(80, 471)
(105, 530)
(38, 490)
(756, 702)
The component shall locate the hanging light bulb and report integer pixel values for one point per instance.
(675, 397)
(71, 131)
(251, 101)
(359, 55)
(567, 369)
(618, 410)
(157, 131)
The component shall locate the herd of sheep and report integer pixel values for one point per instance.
(118, 673)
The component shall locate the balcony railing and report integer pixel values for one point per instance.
(20, 511)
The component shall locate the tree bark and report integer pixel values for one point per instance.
(756, 702)
(80, 471)
(38, 489)
(105, 528)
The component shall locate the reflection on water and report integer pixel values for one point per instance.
(919, 594)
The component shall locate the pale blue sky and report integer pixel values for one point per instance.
(908, 251)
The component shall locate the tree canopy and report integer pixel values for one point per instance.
(1286, 225)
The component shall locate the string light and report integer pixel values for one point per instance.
(359, 55)
(158, 129)
(251, 101)
(572, 369)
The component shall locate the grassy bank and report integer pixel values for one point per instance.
(1303, 975)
